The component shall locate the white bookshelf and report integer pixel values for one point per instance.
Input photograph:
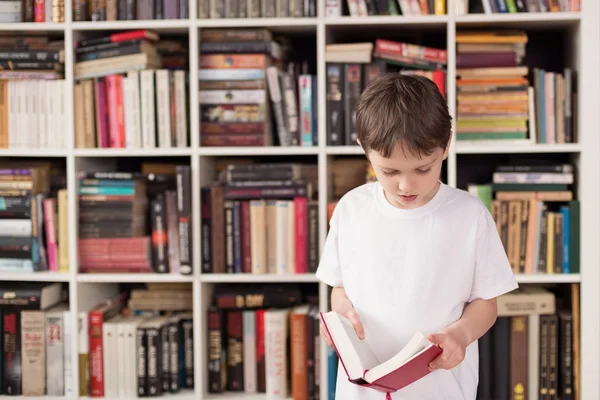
(84, 288)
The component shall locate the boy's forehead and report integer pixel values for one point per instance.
(402, 159)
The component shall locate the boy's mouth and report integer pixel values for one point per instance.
(408, 198)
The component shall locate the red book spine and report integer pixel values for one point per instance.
(130, 35)
(120, 119)
(246, 237)
(39, 12)
(111, 94)
(439, 78)
(300, 206)
(96, 318)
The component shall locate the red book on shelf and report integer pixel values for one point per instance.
(363, 368)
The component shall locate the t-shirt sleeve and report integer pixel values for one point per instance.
(329, 270)
(493, 275)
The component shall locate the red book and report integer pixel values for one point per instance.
(410, 364)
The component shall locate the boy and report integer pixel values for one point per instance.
(408, 253)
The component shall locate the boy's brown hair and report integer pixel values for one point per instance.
(403, 109)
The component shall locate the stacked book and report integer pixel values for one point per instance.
(494, 99)
(422, 60)
(268, 216)
(116, 53)
(243, 82)
(26, 11)
(127, 10)
(135, 222)
(122, 99)
(33, 220)
(32, 92)
(256, 9)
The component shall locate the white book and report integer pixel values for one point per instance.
(181, 109)
(135, 111)
(55, 341)
(281, 236)
(163, 108)
(533, 355)
(276, 369)
(148, 109)
(67, 354)
(249, 350)
(112, 369)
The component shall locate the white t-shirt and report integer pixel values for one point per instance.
(414, 270)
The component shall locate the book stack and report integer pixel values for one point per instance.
(26, 11)
(242, 80)
(365, 8)
(126, 10)
(122, 99)
(494, 100)
(37, 326)
(233, 99)
(33, 220)
(247, 326)
(135, 222)
(137, 344)
(536, 215)
(116, 53)
(256, 9)
(268, 216)
(512, 7)
(32, 92)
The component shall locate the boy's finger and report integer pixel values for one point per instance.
(358, 327)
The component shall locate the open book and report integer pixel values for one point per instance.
(362, 366)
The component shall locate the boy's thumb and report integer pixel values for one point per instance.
(355, 319)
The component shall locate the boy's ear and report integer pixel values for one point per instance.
(448, 145)
(358, 141)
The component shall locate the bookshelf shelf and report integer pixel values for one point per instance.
(341, 150)
(33, 153)
(247, 278)
(415, 22)
(158, 152)
(520, 20)
(37, 27)
(549, 278)
(480, 148)
(257, 151)
(280, 25)
(124, 277)
(41, 276)
(163, 25)
(584, 57)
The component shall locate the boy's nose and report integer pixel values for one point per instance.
(405, 186)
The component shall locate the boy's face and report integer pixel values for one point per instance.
(408, 181)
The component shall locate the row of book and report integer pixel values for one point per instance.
(513, 7)
(533, 349)
(128, 94)
(12, 11)
(536, 215)
(256, 9)
(268, 343)
(36, 326)
(251, 94)
(365, 8)
(268, 217)
(127, 10)
(136, 222)
(498, 98)
(137, 344)
(33, 219)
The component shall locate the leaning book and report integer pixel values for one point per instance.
(363, 368)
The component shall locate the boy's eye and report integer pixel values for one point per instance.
(423, 171)
(389, 173)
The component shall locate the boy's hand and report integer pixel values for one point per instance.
(453, 350)
(353, 317)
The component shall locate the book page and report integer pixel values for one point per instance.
(417, 344)
(356, 354)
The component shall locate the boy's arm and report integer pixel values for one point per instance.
(479, 316)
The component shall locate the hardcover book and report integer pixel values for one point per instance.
(363, 367)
